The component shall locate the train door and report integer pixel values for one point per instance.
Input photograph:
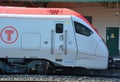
(63, 46)
(112, 40)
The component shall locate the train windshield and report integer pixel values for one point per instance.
(81, 29)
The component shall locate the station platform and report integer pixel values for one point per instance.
(115, 57)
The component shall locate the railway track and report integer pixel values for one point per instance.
(100, 73)
(30, 78)
(55, 78)
(109, 75)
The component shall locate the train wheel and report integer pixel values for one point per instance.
(45, 68)
(80, 71)
(39, 67)
(50, 69)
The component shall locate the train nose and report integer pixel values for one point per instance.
(101, 49)
(102, 54)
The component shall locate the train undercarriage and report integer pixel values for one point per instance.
(25, 65)
(42, 66)
(35, 66)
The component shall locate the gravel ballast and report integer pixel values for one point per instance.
(56, 78)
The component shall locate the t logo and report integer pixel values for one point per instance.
(9, 35)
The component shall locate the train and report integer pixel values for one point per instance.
(42, 39)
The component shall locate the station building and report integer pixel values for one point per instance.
(103, 14)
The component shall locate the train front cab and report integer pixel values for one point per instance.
(92, 51)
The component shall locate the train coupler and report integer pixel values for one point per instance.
(114, 63)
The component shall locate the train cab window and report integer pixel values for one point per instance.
(59, 28)
(81, 29)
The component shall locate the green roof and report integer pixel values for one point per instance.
(69, 0)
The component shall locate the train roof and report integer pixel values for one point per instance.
(38, 11)
(41, 11)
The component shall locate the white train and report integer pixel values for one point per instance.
(39, 38)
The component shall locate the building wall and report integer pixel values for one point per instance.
(102, 16)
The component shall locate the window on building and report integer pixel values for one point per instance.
(89, 18)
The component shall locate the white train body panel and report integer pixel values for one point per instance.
(35, 37)
(91, 50)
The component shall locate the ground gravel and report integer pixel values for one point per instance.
(57, 78)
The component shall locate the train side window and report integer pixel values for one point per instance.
(81, 29)
(59, 28)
